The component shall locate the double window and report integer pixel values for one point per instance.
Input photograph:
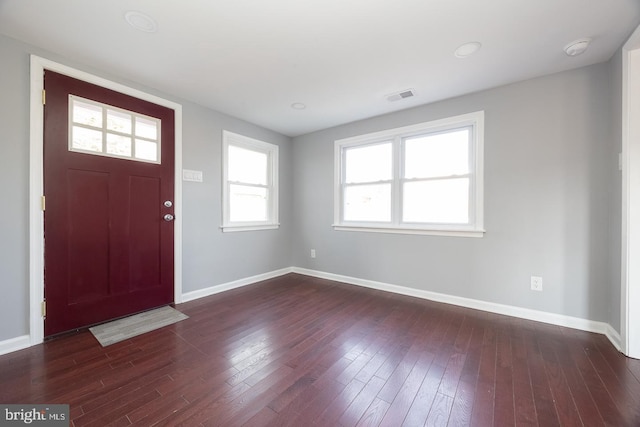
(423, 179)
(250, 183)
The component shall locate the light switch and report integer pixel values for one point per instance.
(191, 175)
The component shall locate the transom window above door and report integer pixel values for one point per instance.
(104, 130)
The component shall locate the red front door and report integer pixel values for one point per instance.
(109, 182)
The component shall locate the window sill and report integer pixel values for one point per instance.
(418, 231)
(236, 228)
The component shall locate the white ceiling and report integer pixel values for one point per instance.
(254, 58)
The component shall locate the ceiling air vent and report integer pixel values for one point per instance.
(400, 95)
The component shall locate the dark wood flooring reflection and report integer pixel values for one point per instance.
(300, 351)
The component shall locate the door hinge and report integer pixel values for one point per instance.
(43, 203)
(44, 97)
(43, 307)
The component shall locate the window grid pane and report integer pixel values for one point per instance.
(146, 150)
(248, 166)
(86, 139)
(87, 114)
(146, 128)
(248, 203)
(367, 203)
(437, 155)
(119, 145)
(444, 201)
(371, 163)
(119, 122)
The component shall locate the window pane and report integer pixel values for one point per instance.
(367, 203)
(368, 164)
(146, 128)
(247, 203)
(86, 139)
(119, 145)
(87, 114)
(437, 201)
(119, 121)
(247, 166)
(442, 154)
(146, 150)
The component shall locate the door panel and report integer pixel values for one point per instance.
(144, 264)
(108, 251)
(88, 235)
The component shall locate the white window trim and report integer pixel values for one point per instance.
(474, 229)
(230, 138)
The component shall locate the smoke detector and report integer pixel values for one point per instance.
(467, 49)
(141, 21)
(577, 47)
(407, 93)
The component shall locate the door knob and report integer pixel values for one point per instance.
(168, 203)
(168, 217)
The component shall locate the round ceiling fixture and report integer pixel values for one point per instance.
(298, 106)
(577, 47)
(467, 49)
(141, 21)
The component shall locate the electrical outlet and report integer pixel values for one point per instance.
(313, 253)
(536, 283)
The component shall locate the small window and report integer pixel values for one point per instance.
(250, 184)
(104, 130)
(422, 179)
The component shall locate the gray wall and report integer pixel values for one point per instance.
(210, 257)
(14, 176)
(549, 154)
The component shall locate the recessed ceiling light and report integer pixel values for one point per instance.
(141, 22)
(577, 47)
(467, 49)
(298, 106)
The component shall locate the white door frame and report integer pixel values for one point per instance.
(36, 183)
(630, 259)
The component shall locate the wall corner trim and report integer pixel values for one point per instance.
(614, 337)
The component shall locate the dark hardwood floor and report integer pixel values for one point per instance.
(300, 351)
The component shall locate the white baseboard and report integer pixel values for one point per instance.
(201, 293)
(508, 310)
(14, 344)
(24, 341)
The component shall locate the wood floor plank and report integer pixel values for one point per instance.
(504, 409)
(462, 407)
(484, 395)
(404, 398)
(361, 403)
(440, 410)
(340, 404)
(374, 413)
(425, 396)
(300, 351)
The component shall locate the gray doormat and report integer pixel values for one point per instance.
(138, 324)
